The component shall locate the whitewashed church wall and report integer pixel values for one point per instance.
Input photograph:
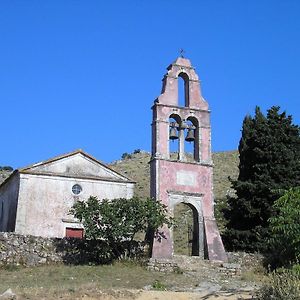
(45, 201)
(77, 165)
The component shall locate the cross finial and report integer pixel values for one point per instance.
(182, 52)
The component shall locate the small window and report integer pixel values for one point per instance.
(76, 189)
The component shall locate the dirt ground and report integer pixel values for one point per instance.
(165, 295)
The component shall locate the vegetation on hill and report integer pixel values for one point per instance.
(285, 229)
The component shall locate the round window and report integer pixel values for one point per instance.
(76, 189)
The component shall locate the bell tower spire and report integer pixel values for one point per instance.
(180, 177)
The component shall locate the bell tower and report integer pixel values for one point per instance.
(178, 177)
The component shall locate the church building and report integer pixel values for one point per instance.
(36, 200)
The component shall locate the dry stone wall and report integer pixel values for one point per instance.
(29, 250)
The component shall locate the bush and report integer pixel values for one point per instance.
(284, 285)
(137, 151)
(126, 155)
(118, 220)
(95, 252)
(159, 286)
(285, 226)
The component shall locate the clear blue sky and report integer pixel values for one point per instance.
(84, 74)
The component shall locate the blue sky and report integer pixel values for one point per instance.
(84, 74)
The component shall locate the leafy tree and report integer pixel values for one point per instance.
(269, 152)
(119, 220)
(285, 228)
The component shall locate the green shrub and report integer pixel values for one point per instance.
(296, 269)
(285, 226)
(157, 285)
(282, 285)
(119, 220)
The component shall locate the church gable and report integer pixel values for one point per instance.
(75, 164)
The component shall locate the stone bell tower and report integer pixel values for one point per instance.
(178, 177)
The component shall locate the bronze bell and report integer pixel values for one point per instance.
(173, 134)
(190, 137)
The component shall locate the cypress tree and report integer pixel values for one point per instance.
(269, 152)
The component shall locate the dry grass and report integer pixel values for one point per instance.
(72, 282)
(284, 285)
(184, 223)
(122, 280)
(137, 168)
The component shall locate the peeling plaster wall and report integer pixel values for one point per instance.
(173, 179)
(45, 201)
(8, 203)
(187, 178)
(181, 178)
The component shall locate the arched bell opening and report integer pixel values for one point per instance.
(174, 136)
(186, 230)
(183, 90)
(191, 139)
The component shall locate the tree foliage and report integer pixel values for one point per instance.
(285, 226)
(6, 168)
(269, 152)
(119, 220)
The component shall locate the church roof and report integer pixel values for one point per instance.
(76, 164)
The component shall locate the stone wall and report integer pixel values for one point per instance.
(29, 250)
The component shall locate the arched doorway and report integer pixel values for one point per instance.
(186, 230)
(188, 233)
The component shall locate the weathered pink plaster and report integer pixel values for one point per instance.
(181, 180)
